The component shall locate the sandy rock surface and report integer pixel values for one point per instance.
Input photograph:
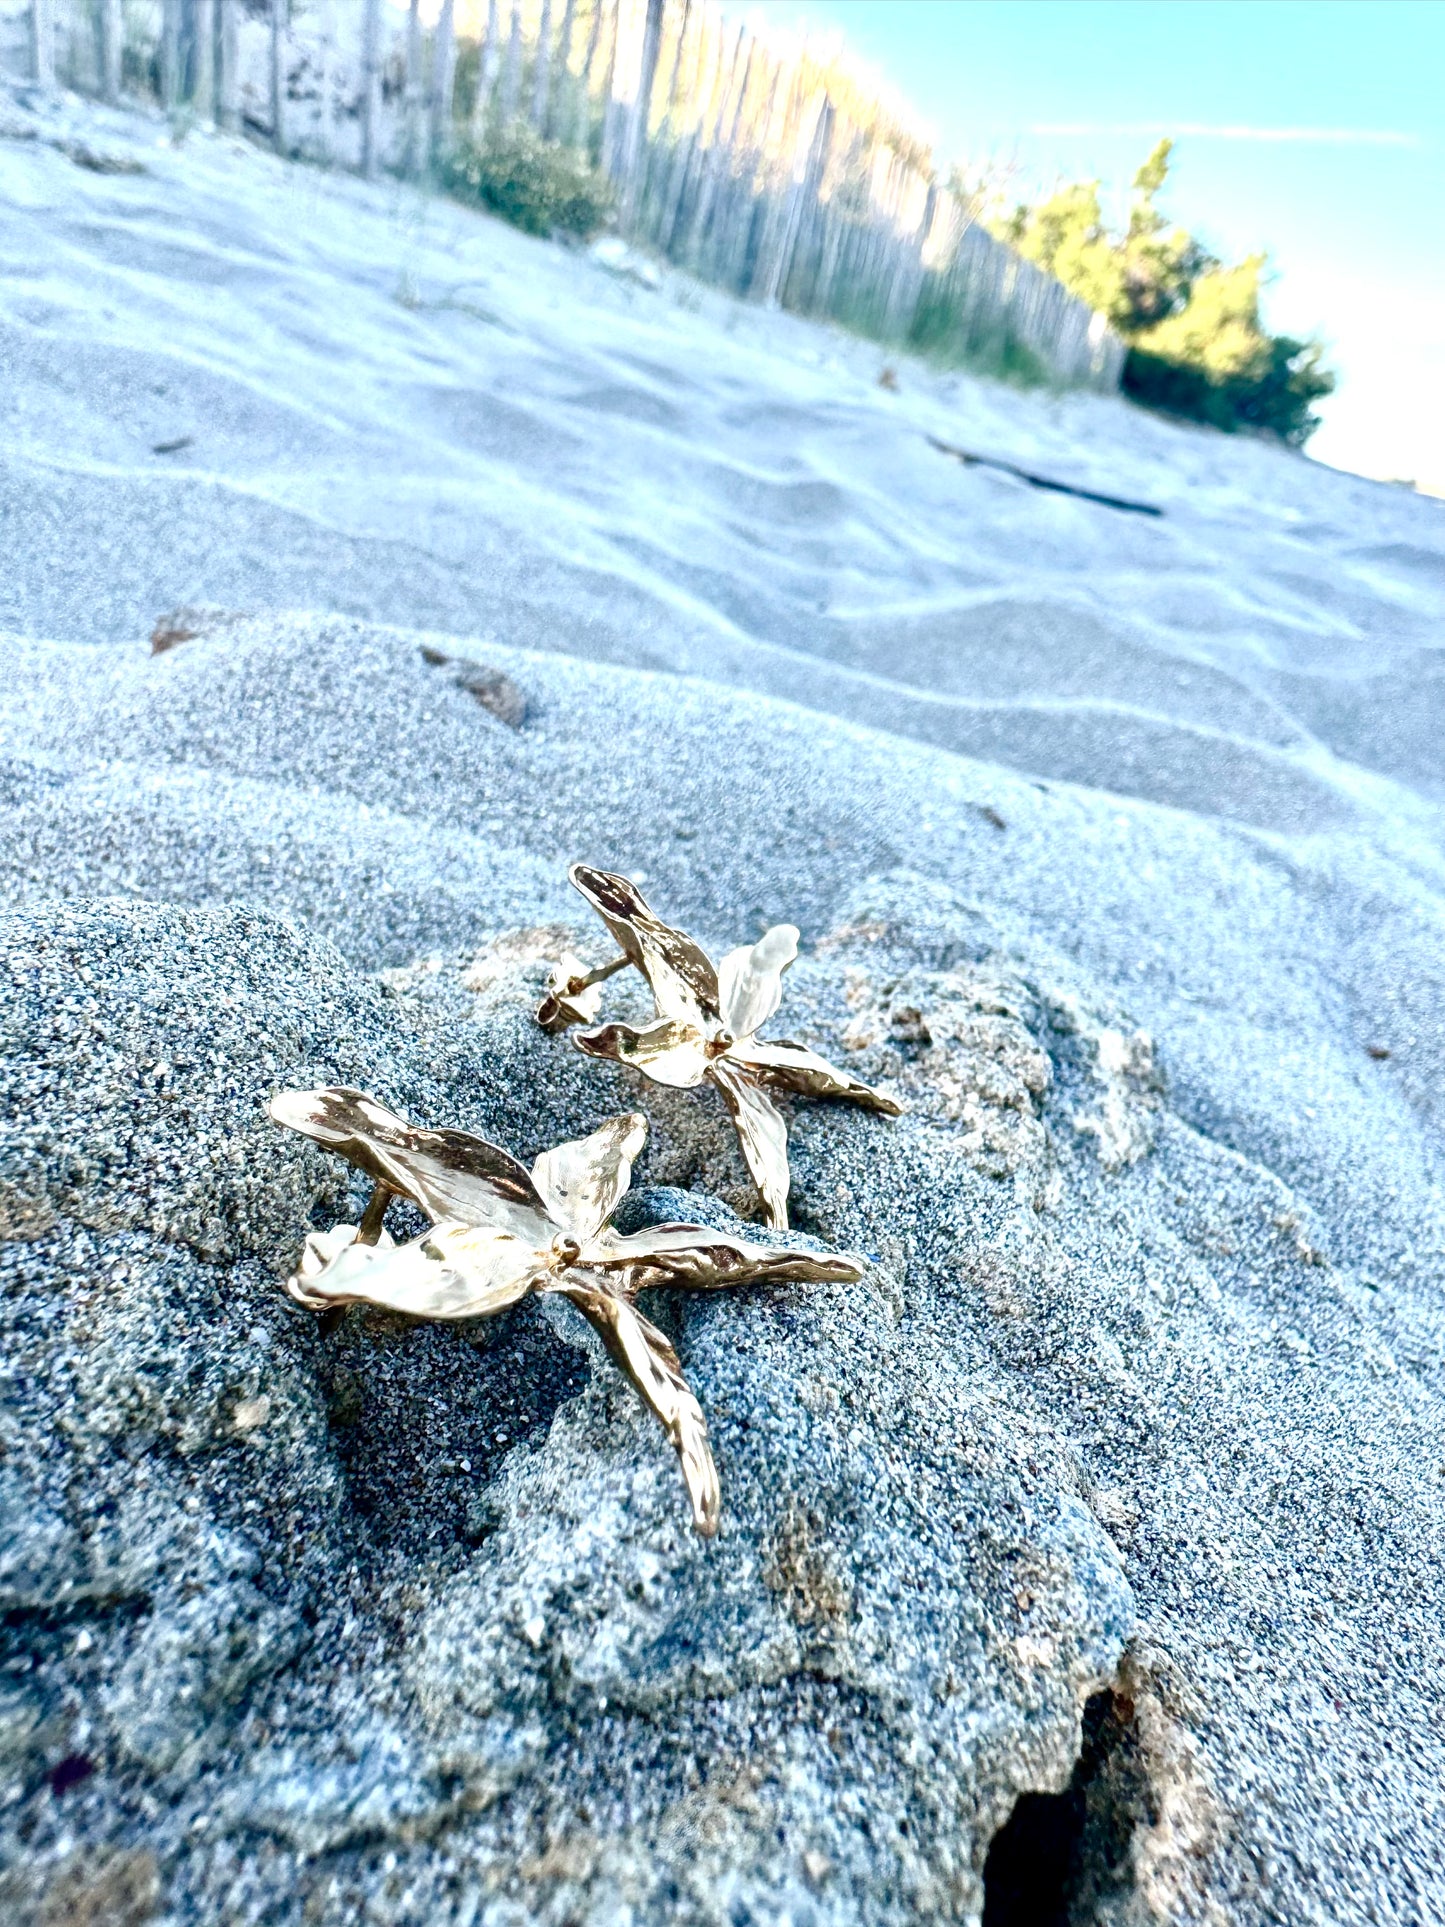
(1080, 1564)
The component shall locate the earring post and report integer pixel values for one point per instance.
(369, 1230)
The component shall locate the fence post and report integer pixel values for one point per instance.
(807, 165)
(542, 68)
(326, 81)
(370, 85)
(512, 78)
(767, 223)
(582, 114)
(710, 74)
(739, 258)
(488, 61)
(228, 72)
(42, 43)
(720, 149)
(611, 110)
(170, 55)
(563, 81)
(905, 282)
(656, 153)
(806, 181)
(443, 81)
(278, 75)
(674, 81)
(112, 34)
(204, 88)
(412, 93)
(634, 158)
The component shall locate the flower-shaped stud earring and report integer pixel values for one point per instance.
(706, 1025)
(500, 1232)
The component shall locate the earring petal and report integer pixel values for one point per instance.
(668, 1052)
(450, 1174)
(795, 1068)
(643, 1354)
(693, 1256)
(750, 979)
(680, 972)
(562, 1005)
(452, 1271)
(581, 1182)
(762, 1133)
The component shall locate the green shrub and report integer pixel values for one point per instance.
(538, 185)
(1212, 361)
(1274, 396)
(1197, 344)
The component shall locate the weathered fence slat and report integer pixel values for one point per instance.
(736, 161)
(443, 82)
(228, 62)
(203, 59)
(611, 105)
(634, 157)
(542, 68)
(411, 155)
(370, 85)
(112, 34)
(582, 117)
(489, 60)
(563, 82)
(279, 12)
(512, 73)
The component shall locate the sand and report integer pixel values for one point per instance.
(1151, 803)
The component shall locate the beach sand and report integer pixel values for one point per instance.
(1115, 842)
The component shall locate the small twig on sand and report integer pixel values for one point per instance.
(970, 460)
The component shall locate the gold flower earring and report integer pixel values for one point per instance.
(500, 1233)
(706, 1025)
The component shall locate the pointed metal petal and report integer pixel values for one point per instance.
(683, 980)
(448, 1173)
(667, 1052)
(703, 1260)
(793, 1067)
(642, 1353)
(763, 1134)
(451, 1271)
(581, 1182)
(750, 979)
(562, 1006)
(321, 1247)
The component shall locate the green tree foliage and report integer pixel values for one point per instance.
(1197, 344)
(538, 185)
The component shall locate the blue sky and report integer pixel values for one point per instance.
(1313, 129)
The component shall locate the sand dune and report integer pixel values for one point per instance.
(393, 410)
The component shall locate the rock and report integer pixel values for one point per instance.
(190, 1668)
(430, 1594)
(610, 251)
(98, 160)
(100, 1890)
(496, 692)
(909, 1589)
(193, 619)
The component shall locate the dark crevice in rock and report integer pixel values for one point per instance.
(422, 1418)
(1066, 1859)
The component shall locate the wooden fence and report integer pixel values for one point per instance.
(764, 166)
